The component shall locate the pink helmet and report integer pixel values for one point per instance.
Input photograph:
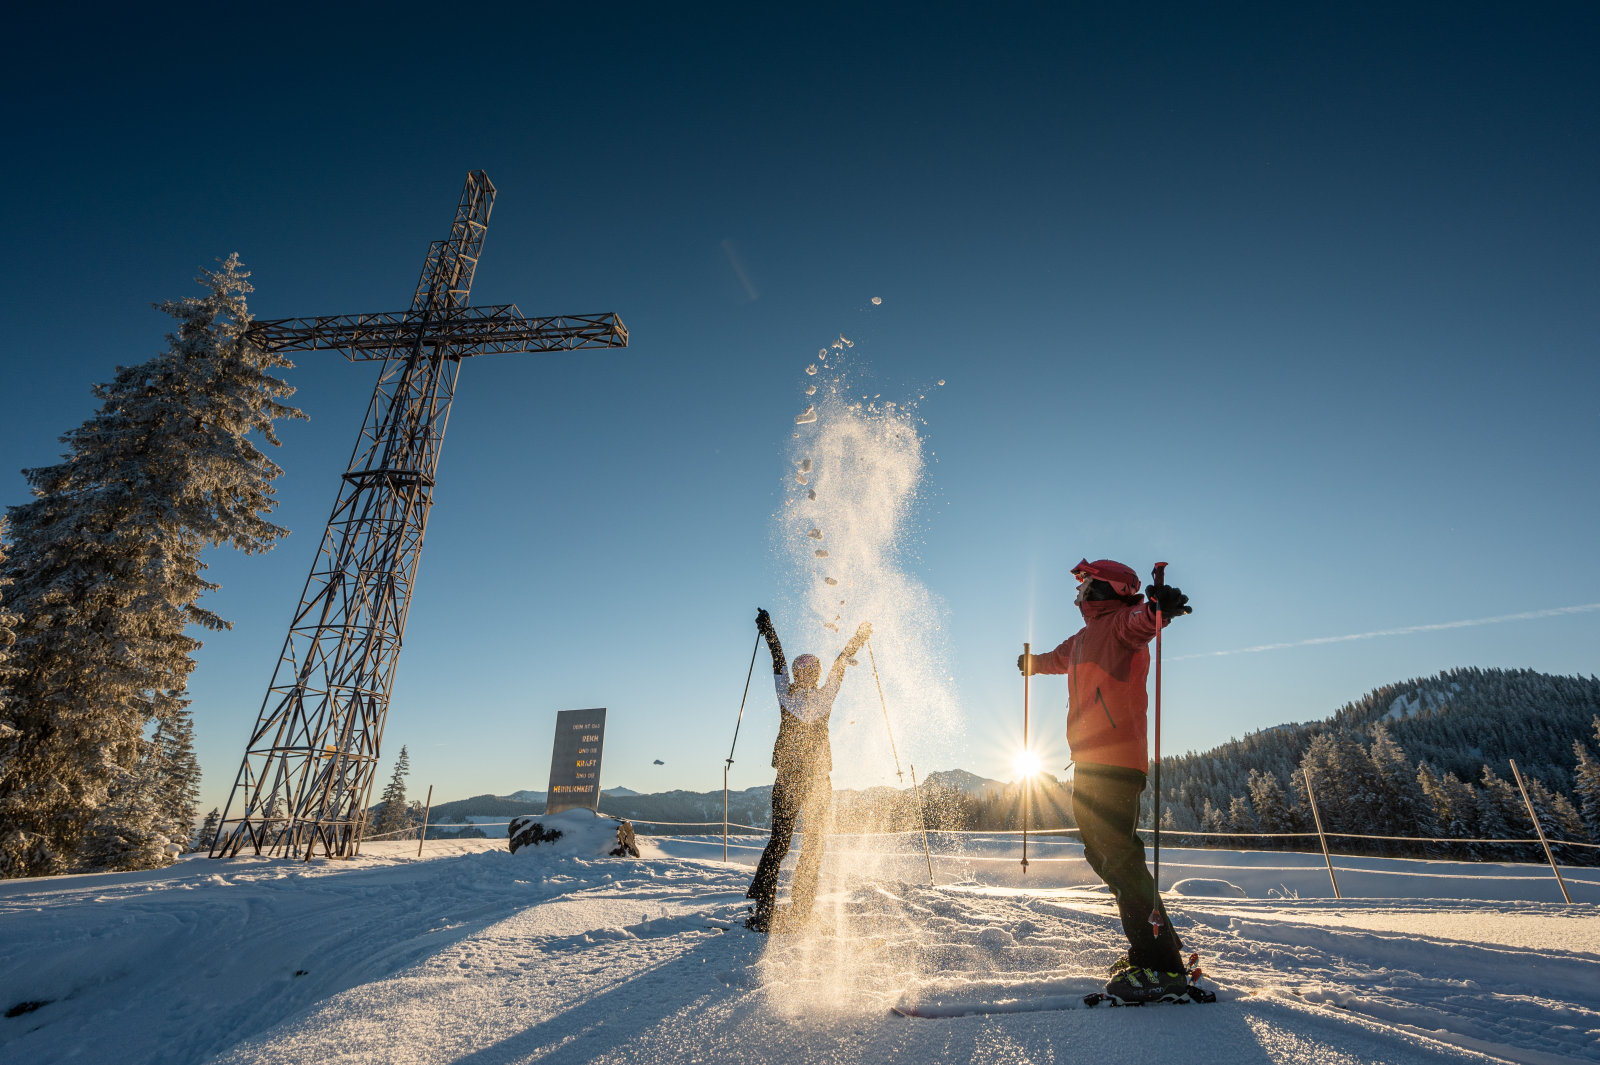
(1123, 580)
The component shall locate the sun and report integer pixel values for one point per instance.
(1026, 763)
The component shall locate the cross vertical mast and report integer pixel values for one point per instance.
(307, 772)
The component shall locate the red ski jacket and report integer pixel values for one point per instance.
(1107, 662)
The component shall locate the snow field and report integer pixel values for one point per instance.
(475, 955)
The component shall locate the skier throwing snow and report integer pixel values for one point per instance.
(803, 758)
(1106, 663)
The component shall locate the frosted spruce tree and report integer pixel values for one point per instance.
(1586, 784)
(393, 814)
(7, 637)
(208, 830)
(107, 576)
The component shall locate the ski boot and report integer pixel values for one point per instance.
(761, 914)
(1131, 985)
(1136, 986)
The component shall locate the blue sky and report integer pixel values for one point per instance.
(1304, 304)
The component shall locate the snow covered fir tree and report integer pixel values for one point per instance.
(394, 815)
(97, 767)
(8, 634)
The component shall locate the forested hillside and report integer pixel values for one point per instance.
(1424, 757)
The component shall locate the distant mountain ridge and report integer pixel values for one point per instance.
(965, 782)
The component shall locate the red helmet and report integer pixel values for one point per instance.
(1123, 580)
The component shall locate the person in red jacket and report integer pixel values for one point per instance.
(1106, 663)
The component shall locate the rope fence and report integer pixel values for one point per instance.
(1033, 834)
(1044, 836)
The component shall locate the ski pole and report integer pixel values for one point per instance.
(921, 821)
(916, 795)
(727, 764)
(1027, 780)
(1160, 574)
(885, 704)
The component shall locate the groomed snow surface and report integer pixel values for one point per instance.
(475, 955)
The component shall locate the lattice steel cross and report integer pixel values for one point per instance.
(307, 772)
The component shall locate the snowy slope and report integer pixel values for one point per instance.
(478, 956)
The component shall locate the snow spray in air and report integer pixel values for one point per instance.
(855, 474)
(853, 480)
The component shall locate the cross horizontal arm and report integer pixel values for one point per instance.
(487, 330)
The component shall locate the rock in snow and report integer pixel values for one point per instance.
(580, 832)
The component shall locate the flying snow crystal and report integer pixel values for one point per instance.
(800, 477)
(876, 300)
(941, 382)
(811, 390)
(811, 371)
(806, 416)
(805, 465)
(871, 459)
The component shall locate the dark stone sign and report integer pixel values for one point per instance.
(575, 761)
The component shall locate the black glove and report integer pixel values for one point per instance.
(763, 621)
(1171, 600)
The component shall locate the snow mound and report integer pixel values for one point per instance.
(1199, 887)
(584, 834)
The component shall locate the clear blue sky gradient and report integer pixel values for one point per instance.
(1305, 304)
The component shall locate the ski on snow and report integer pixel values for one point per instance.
(934, 1011)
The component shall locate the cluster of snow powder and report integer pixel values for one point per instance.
(854, 477)
(855, 472)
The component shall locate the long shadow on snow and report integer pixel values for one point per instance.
(280, 947)
(624, 1014)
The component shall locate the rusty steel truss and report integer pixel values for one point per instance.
(307, 773)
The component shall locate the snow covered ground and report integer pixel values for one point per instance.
(475, 955)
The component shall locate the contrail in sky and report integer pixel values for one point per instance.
(1469, 623)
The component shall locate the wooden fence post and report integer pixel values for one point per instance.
(426, 810)
(1537, 827)
(1312, 799)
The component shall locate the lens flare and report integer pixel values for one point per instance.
(1026, 763)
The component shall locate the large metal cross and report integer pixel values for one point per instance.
(307, 773)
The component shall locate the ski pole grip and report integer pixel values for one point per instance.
(1160, 574)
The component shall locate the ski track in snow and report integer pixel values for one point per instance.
(474, 955)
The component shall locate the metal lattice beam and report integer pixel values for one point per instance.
(486, 330)
(306, 778)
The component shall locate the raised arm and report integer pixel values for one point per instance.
(836, 674)
(780, 666)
